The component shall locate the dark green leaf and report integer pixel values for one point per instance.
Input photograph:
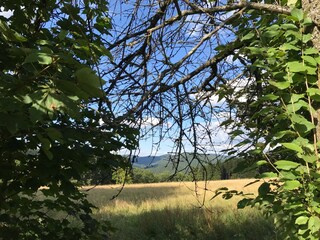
(39, 57)
(243, 203)
(264, 189)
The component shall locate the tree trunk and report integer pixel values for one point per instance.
(312, 8)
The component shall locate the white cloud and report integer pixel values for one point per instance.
(5, 14)
(150, 121)
(239, 86)
(207, 96)
(195, 25)
(229, 59)
(227, 15)
(101, 122)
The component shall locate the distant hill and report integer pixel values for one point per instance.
(148, 160)
(168, 163)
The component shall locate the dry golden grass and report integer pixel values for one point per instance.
(160, 195)
(172, 211)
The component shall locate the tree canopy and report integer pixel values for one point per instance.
(51, 107)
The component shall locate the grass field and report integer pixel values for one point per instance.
(172, 211)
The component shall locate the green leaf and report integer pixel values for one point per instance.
(296, 97)
(27, 99)
(44, 42)
(301, 124)
(256, 50)
(303, 231)
(281, 134)
(306, 37)
(314, 224)
(304, 143)
(270, 96)
(315, 206)
(292, 34)
(236, 132)
(89, 82)
(227, 122)
(289, 26)
(102, 50)
(314, 93)
(35, 115)
(45, 143)
(308, 158)
(264, 189)
(307, 21)
(291, 185)
(62, 34)
(296, 66)
(311, 70)
(269, 175)
(288, 46)
(244, 202)
(9, 34)
(261, 162)
(271, 34)
(312, 61)
(87, 77)
(291, 3)
(310, 51)
(297, 13)
(52, 104)
(71, 89)
(287, 175)
(54, 134)
(286, 165)
(39, 57)
(248, 36)
(292, 108)
(280, 85)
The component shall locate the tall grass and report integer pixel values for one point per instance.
(179, 211)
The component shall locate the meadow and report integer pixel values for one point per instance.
(179, 210)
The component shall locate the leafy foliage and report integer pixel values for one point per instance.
(282, 122)
(50, 133)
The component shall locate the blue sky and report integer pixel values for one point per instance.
(219, 138)
(149, 144)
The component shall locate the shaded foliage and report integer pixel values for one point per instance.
(50, 106)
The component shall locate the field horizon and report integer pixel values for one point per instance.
(179, 210)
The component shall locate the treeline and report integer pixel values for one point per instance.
(234, 168)
(228, 169)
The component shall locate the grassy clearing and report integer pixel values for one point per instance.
(171, 211)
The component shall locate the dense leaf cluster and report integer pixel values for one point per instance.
(51, 105)
(282, 122)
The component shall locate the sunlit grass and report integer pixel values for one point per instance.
(179, 211)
